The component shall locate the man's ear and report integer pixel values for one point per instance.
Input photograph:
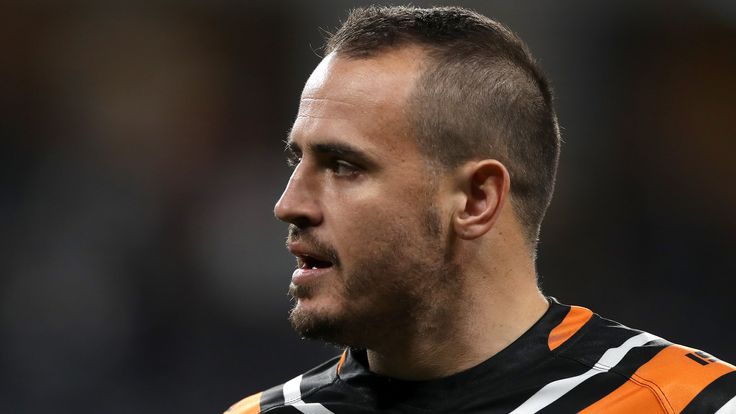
(485, 185)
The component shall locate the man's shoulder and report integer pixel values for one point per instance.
(291, 392)
(685, 380)
(652, 371)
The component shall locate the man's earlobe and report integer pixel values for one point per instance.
(486, 185)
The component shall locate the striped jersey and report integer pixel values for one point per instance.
(570, 361)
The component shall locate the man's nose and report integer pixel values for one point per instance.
(298, 204)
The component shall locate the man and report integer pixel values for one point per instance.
(424, 155)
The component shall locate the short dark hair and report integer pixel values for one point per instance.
(481, 95)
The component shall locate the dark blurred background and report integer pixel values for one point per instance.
(141, 154)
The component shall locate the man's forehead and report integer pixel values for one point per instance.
(359, 101)
(389, 75)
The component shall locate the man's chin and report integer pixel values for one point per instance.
(313, 324)
(311, 316)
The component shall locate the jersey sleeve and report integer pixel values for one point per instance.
(678, 379)
(248, 405)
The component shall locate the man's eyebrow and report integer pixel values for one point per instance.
(291, 147)
(341, 150)
(337, 149)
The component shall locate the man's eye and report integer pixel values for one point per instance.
(344, 168)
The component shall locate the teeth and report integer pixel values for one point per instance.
(314, 267)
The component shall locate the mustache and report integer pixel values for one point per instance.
(313, 243)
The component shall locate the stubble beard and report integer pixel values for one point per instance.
(405, 287)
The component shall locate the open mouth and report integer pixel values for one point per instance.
(309, 262)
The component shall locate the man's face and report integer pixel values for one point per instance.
(366, 222)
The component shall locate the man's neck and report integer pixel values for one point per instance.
(489, 320)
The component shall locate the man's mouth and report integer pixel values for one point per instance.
(307, 262)
(312, 261)
(310, 266)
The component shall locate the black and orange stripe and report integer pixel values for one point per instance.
(570, 361)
